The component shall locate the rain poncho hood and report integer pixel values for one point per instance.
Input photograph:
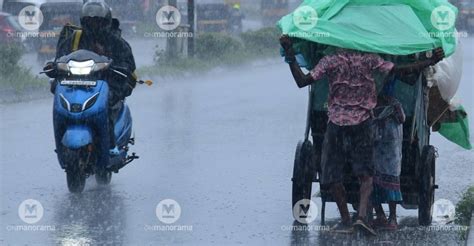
(396, 27)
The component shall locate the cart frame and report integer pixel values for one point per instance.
(417, 179)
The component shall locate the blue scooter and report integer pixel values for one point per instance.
(80, 117)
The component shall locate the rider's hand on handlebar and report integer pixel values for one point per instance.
(48, 66)
(50, 69)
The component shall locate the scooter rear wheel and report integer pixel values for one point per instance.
(103, 177)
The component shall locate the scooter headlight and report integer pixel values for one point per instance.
(81, 68)
(101, 66)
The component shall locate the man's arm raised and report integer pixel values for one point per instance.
(300, 77)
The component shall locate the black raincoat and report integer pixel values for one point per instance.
(112, 46)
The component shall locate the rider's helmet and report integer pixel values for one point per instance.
(96, 17)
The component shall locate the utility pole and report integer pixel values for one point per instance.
(191, 28)
(171, 42)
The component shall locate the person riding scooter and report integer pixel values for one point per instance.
(96, 34)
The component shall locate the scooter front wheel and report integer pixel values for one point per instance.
(76, 180)
(75, 174)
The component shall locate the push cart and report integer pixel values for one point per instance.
(417, 177)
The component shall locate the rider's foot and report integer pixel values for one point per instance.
(114, 151)
(360, 224)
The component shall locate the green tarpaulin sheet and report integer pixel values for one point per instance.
(396, 27)
(458, 131)
(392, 27)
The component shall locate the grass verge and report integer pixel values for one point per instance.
(214, 50)
(464, 209)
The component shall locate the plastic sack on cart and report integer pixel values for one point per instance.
(447, 74)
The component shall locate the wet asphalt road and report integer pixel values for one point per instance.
(221, 145)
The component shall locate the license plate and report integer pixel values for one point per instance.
(78, 83)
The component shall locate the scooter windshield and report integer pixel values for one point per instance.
(84, 55)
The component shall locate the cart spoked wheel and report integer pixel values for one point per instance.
(427, 185)
(303, 172)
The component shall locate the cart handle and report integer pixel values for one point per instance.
(308, 114)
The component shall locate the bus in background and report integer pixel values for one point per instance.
(56, 14)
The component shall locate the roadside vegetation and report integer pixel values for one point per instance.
(217, 49)
(464, 210)
(212, 50)
(14, 77)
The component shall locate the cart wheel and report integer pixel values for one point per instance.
(303, 172)
(427, 185)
